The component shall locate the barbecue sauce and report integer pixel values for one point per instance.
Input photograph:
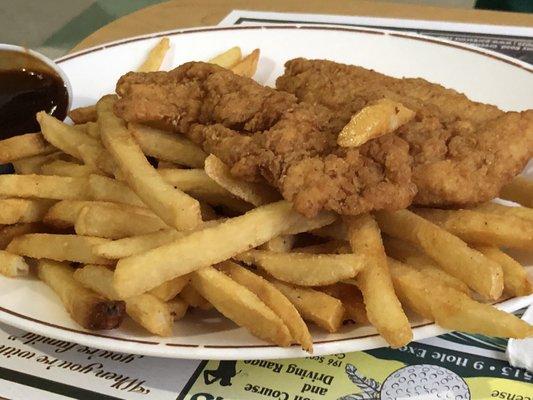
(23, 93)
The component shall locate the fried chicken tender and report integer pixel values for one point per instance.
(463, 151)
(265, 134)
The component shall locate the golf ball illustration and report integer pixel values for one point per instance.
(425, 382)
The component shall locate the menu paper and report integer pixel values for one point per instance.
(451, 366)
(512, 41)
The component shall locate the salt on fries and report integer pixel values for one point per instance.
(147, 253)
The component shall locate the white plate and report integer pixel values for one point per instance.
(484, 76)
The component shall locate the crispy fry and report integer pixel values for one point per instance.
(148, 311)
(307, 224)
(313, 305)
(375, 120)
(170, 289)
(196, 183)
(240, 305)
(103, 188)
(280, 244)
(518, 212)
(178, 308)
(65, 168)
(383, 308)
(115, 222)
(9, 232)
(274, 299)
(58, 247)
(448, 251)
(520, 190)
(64, 213)
(155, 57)
(305, 269)
(14, 211)
(44, 187)
(254, 193)
(64, 137)
(140, 273)
(413, 257)
(23, 146)
(167, 146)
(82, 115)
(191, 296)
(452, 309)
(87, 308)
(352, 300)
(228, 58)
(481, 228)
(95, 156)
(92, 129)
(12, 265)
(137, 244)
(32, 165)
(515, 280)
(248, 65)
(176, 208)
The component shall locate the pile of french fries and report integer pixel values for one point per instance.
(115, 236)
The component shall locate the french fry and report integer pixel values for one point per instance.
(148, 311)
(43, 187)
(280, 244)
(170, 289)
(58, 247)
(240, 305)
(176, 208)
(254, 193)
(352, 300)
(308, 224)
(12, 265)
(337, 230)
(228, 58)
(452, 309)
(178, 308)
(23, 146)
(515, 280)
(97, 157)
(481, 228)
(167, 146)
(274, 299)
(448, 251)
(306, 269)
(375, 120)
(193, 298)
(520, 190)
(64, 213)
(65, 168)
(196, 183)
(411, 256)
(64, 137)
(131, 246)
(114, 222)
(87, 308)
(313, 305)
(155, 57)
(518, 212)
(82, 115)
(248, 65)
(14, 211)
(107, 189)
(383, 308)
(209, 246)
(9, 232)
(92, 129)
(32, 165)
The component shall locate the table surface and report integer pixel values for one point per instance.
(191, 13)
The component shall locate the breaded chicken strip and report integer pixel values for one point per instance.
(262, 133)
(463, 151)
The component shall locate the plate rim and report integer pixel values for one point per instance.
(257, 351)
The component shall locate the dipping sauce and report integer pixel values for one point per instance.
(28, 85)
